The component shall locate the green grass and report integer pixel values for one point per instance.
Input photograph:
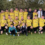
(34, 39)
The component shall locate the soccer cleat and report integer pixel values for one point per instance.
(10, 34)
(14, 35)
(6, 33)
(18, 35)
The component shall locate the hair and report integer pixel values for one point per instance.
(11, 24)
(28, 16)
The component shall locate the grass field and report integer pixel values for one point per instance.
(34, 39)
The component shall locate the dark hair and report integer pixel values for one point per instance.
(11, 24)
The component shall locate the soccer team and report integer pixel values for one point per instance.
(21, 21)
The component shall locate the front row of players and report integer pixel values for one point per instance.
(22, 26)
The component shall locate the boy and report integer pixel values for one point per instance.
(23, 29)
(25, 14)
(12, 30)
(20, 14)
(35, 24)
(29, 24)
(4, 25)
(16, 12)
(41, 24)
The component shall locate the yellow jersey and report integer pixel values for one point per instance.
(16, 22)
(3, 22)
(12, 15)
(9, 22)
(29, 22)
(6, 14)
(25, 15)
(41, 22)
(35, 23)
(2, 14)
(34, 14)
(16, 13)
(20, 15)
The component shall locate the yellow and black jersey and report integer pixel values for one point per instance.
(25, 15)
(12, 15)
(6, 14)
(21, 21)
(2, 14)
(9, 22)
(29, 22)
(35, 23)
(34, 14)
(16, 22)
(20, 15)
(16, 13)
(41, 22)
(3, 22)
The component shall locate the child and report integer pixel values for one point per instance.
(23, 29)
(29, 24)
(41, 24)
(35, 24)
(1, 32)
(12, 30)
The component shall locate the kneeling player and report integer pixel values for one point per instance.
(29, 24)
(35, 24)
(41, 24)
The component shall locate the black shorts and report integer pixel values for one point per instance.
(18, 30)
(35, 29)
(29, 29)
(3, 28)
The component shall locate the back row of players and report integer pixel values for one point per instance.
(17, 18)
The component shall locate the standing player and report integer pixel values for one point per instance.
(29, 24)
(25, 14)
(16, 12)
(11, 14)
(20, 14)
(6, 13)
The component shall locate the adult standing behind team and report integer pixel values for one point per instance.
(30, 12)
(40, 13)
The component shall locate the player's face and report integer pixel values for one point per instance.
(11, 10)
(11, 25)
(2, 11)
(21, 10)
(28, 17)
(4, 17)
(6, 10)
(40, 9)
(16, 9)
(16, 18)
(42, 17)
(29, 9)
(21, 18)
(8, 16)
(35, 10)
(25, 10)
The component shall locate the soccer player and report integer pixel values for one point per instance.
(35, 13)
(9, 21)
(23, 29)
(25, 14)
(29, 24)
(11, 14)
(2, 14)
(12, 30)
(16, 12)
(41, 24)
(21, 14)
(4, 25)
(6, 13)
(35, 24)
(1, 31)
